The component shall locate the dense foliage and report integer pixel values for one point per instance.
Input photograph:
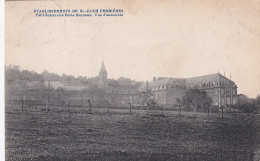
(196, 98)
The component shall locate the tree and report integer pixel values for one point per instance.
(196, 98)
(245, 104)
(147, 97)
(206, 101)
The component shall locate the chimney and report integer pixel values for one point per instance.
(154, 78)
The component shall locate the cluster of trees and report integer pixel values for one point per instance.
(247, 105)
(15, 73)
(195, 99)
(31, 85)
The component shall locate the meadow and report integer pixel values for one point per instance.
(142, 135)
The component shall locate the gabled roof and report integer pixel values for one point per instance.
(203, 79)
(217, 77)
(206, 79)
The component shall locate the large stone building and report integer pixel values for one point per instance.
(222, 90)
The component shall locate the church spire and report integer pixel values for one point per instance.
(103, 69)
(103, 75)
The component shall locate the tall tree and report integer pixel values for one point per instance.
(195, 98)
(245, 104)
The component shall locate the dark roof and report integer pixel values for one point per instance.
(189, 81)
(206, 79)
(159, 82)
(203, 79)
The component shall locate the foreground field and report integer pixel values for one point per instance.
(59, 135)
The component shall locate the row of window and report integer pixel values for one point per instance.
(212, 84)
(167, 87)
(222, 91)
(222, 101)
(210, 91)
(163, 87)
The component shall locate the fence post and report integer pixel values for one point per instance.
(222, 112)
(69, 107)
(46, 106)
(130, 108)
(208, 111)
(108, 106)
(22, 104)
(180, 109)
(12, 101)
(146, 108)
(89, 106)
(108, 109)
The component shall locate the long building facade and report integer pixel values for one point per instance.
(222, 90)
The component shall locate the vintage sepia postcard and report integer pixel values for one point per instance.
(132, 80)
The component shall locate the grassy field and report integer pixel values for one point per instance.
(60, 135)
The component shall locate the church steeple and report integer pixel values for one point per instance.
(103, 69)
(103, 75)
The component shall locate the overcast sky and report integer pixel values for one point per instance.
(171, 38)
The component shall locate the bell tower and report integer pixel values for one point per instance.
(103, 76)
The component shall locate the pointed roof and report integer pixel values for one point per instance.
(103, 68)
